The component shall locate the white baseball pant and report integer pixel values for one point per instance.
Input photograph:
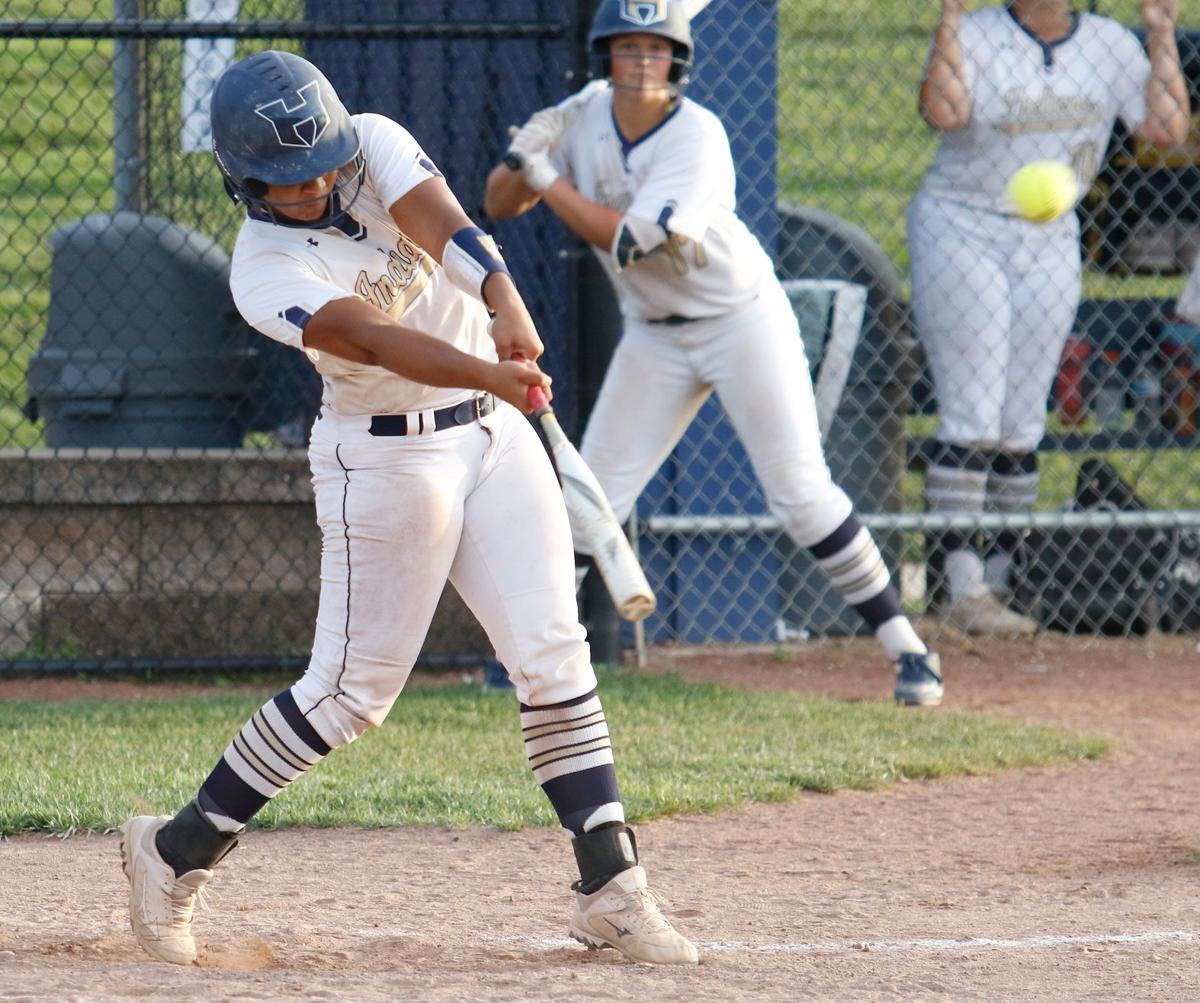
(477, 504)
(994, 299)
(753, 358)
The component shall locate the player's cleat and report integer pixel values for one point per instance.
(985, 615)
(919, 680)
(624, 914)
(160, 904)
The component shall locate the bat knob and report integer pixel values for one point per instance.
(514, 161)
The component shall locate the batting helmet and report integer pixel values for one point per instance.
(665, 18)
(276, 120)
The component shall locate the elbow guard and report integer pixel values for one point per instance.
(469, 257)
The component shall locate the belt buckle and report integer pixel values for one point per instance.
(478, 407)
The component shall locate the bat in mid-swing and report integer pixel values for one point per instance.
(589, 508)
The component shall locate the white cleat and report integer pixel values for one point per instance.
(985, 615)
(160, 904)
(625, 915)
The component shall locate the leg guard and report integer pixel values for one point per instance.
(602, 853)
(191, 842)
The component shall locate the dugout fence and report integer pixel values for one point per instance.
(201, 556)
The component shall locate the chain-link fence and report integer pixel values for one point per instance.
(156, 502)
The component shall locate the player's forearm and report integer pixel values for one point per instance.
(1168, 115)
(945, 103)
(507, 195)
(595, 223)
(402, 350)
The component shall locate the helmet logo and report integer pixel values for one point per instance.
(291, 130)
(644, 12)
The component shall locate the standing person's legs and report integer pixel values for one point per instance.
(756, 360)
(961, 306)
(1045, 297)
(513, 569)
(390, 512)
(649, 396)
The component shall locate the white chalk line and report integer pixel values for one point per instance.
(926, 945)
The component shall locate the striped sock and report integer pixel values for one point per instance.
(571, 756)
(854, 565)
(273, 748)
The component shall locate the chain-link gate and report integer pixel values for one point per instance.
(156, 503)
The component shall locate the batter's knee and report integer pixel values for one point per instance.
(339, 716)
(811, 512)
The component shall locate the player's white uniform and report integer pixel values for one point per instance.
(702, 310)
(994, 296)
(476, 503)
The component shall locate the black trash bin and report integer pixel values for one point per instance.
(143, 346)
(865, 441)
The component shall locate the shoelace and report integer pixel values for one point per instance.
(642, 906)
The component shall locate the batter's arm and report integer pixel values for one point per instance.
(945, 101)
(431, 215)
(1168, 114)
(506, 195)
(356, 331)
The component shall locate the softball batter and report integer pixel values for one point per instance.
(355, 252)
(994, 296)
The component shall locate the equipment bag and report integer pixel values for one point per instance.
(1101, 581)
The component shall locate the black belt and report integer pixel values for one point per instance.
(674, 320)
(444, 418)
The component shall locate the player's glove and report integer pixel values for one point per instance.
(537, 170)
(542, 132)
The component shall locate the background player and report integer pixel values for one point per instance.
(994, 296)
(646, 177)
(356, 252)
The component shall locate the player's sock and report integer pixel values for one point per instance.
(571, 757)
(273, 748)
(1012, 487)
(957, 482)
(851, 559)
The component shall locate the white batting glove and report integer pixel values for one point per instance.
(537, 170)
(542, 132)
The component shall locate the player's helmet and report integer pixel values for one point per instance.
(277, 120)
(665, 18)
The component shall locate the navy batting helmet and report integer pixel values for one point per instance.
(276, 120)
(665, 18)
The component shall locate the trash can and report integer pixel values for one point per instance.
(143, 346)
(850, 303)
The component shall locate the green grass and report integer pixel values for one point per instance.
(450, 756)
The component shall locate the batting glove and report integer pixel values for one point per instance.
(542, 132)
(537, 170)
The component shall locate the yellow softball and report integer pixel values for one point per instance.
(1043, 191)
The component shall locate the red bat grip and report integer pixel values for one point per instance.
(537, 396)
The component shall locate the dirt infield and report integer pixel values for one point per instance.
(1081, 882)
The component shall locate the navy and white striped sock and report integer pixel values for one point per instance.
(273, 748)
(571, 756)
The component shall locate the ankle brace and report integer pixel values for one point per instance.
(191, 842)
(602, 853)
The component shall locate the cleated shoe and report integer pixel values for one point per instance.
(160, 904)
(624, 914)
(919, 680)
(985, 615)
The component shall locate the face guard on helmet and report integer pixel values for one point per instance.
(276, 120)
(665, 18)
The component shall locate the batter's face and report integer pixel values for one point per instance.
(641, 62)
(306, 202)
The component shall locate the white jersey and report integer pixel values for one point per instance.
(676, 187)
(282, 275)
(1031, 101)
